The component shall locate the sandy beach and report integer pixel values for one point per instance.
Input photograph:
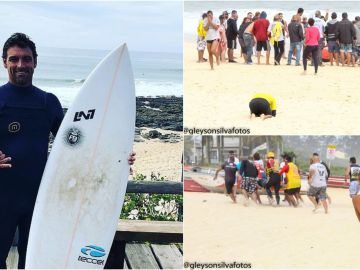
(217, 230)
(157, 156)
(307, 104)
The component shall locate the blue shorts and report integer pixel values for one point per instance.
(354, 187)
(347, 48)
(356, 50)
(333, 47)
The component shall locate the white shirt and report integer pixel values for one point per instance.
(320, 24)
(212, 33)
(319, 176)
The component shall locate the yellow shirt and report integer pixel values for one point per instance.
(269, 99)
(293, 176)
(200, 29)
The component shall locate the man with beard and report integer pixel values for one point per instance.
(231, 35)
(27, 116)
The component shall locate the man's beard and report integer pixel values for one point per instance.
(22, 76)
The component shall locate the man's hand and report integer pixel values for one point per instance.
(4, 161)
(131, 158)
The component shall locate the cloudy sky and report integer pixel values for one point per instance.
(145, 26)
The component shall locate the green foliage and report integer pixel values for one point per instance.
(160, 207)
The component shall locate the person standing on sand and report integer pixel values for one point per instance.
(296, 37)
(356, 202)
(211, 25)
(249, 41)
(320, 24)
(231, 35)
(312, 37)
(223, 40)
(230, 169)
(353, 173)
(249, 180)
(293, 184)
(330, 33)
(27, 117)
(262, 40)
(356, 45)
(245, 23)
(346, 36)
(277, 39)
(201, 42)
(317, 183)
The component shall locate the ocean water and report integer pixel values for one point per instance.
(63, 71)
(194, 9)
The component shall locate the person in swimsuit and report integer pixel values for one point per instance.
(211, 25)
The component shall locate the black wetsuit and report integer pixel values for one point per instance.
(27, 116)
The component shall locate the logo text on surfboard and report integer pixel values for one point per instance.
(89, 115)
(93, 251)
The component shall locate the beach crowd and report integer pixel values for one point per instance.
(319, 38)
(271, 175)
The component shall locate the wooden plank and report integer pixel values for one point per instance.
(151, 231)
(12, 259)
(140, 256)
(168, 256)
(155, 187)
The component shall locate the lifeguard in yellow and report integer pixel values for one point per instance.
(293, 184)
(262, 105)
(201, 42)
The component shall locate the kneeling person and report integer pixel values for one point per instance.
(262, 105)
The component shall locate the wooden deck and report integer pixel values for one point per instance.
(140, 244)
(138, 256)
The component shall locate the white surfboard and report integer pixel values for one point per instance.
(84, 182)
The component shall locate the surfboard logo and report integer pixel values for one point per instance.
(93, 251)
(89, 115)
(73, 136)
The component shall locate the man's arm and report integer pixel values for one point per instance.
(4, 161)
(311, 175)
(347, 172)
(217, 171)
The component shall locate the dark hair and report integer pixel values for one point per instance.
(311, 21)
(256, 156)
(315, 154)
(300, 10)
(333, 15)
(221, 17)
(204, 15)
(209, 12)
(344, 15)
(287, 158)
(231, 152)
(21, 40)
(353, 160)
